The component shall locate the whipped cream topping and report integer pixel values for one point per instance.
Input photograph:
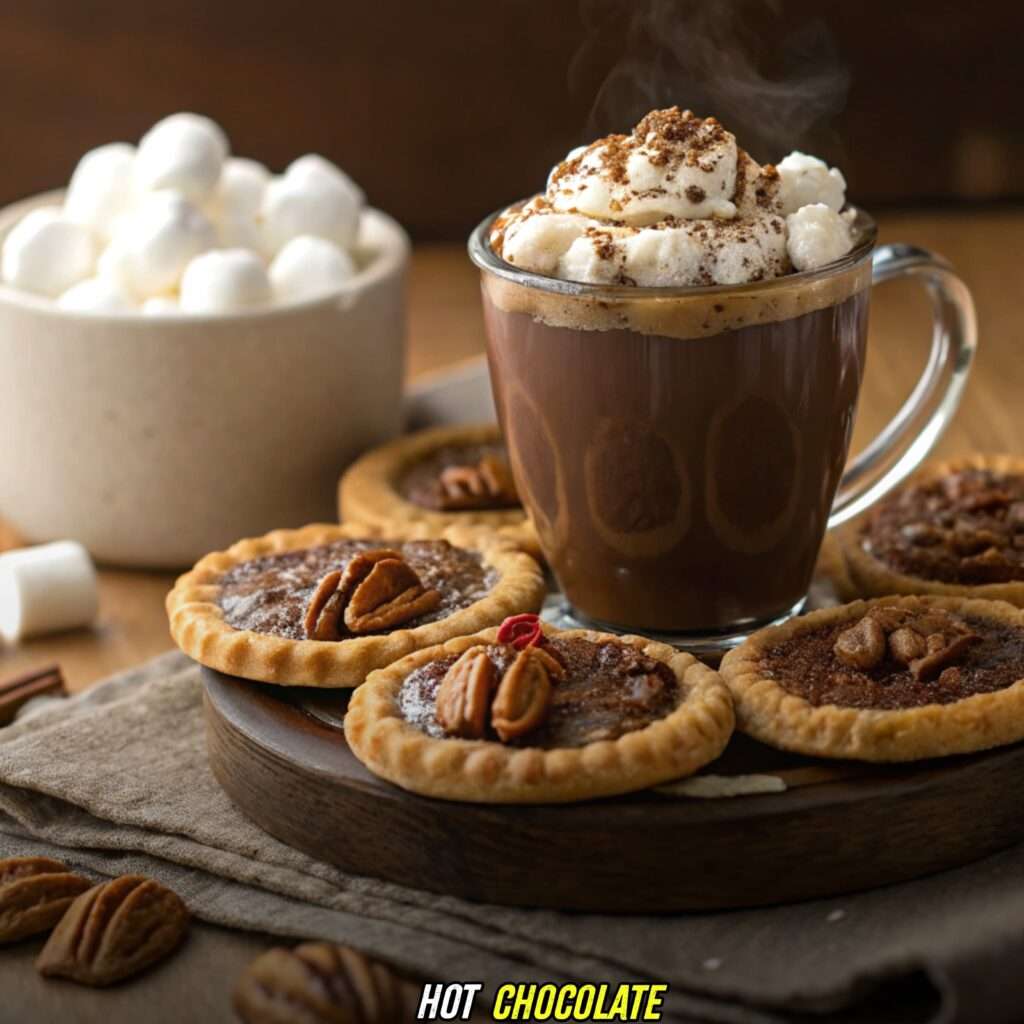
(677, 203)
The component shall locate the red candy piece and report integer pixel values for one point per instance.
(521, 631)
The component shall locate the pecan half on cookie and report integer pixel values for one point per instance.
(516, 700)
(377, 590)
(488, 484)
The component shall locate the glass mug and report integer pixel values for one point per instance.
(682, 450)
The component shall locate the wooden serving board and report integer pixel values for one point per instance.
(838, 827)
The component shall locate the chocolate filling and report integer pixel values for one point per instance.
(609, 689)
(967, 527)
(270, 595)
(807, 666)
(421, 483)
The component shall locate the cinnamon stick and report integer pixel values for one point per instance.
(19, 690)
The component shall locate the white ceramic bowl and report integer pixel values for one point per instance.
(153, 440)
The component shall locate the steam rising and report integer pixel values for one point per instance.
(775, 86)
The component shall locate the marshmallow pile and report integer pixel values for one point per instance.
(178, 225)
(678, 203)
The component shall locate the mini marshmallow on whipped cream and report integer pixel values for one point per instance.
(178, 225)
(678, 203)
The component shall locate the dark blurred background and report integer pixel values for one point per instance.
(445, 109)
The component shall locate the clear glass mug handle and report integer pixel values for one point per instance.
(912, 433)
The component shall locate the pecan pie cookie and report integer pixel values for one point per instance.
(445, 476)
(521, 715)
(957, 529)
(327, 604)
(897, 679)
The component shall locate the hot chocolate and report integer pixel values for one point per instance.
(676, 336)
(680, 483)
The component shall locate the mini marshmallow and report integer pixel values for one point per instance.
(98, 295)
(184, 152)
(583, 262)
(152, 248)
(161, 305)
(47, 253)
(655, 259)
(224, 281)
(817, 235)
(240, 189)
(238, 232)
(804, 180)
(313, 167)
(309, 266)
(309, 203)
(46, 589)
(537, 243)
(101, 187)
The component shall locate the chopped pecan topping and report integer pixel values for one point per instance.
(863, 645)
(926, 642)
(34, 894)
(962, 528)
(922, 534)
(906, 645)
(941, 653)
(524, 693)
(113, 931)
(377, 590)
(464, 696)
(986, 500)
(488, 484)
(318, 981)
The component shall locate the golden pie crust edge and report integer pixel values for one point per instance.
(873, 578)
(198, 626)
(367, 491)
(486, 771)
(773, 715)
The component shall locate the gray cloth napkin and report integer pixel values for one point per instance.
(117, 780)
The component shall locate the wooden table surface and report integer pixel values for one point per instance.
(446, 326)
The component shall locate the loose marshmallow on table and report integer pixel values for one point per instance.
(309, 266)
(101, 187)
(817, 235)
(45, 589)
(47, 253)
(98, 295)
(224, 281)
(312, 197)
(152, 248)
(184, 152)
(804, 180)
